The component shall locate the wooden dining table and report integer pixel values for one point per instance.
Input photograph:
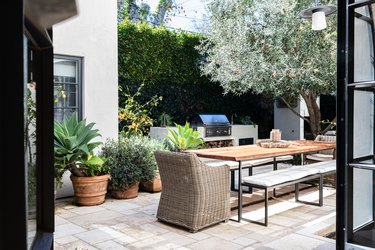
(252, 152)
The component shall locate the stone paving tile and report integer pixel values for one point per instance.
(214, 243)
(118, 206)
(295, 242)
(132, 224)
(87, 209)
(244, 241)
(199, 236)
(137, 218)
(77, 245)
(105, 217)
(111, 245)
(227, 233)
(67, 229)
(66, 240)
(97, 235)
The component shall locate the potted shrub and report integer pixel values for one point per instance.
(131, 162)
(125, 173)
(143, 149)
(74, 152)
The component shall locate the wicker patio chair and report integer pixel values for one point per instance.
(323, 155)
(194, 195)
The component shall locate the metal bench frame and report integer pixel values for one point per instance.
(296, 182)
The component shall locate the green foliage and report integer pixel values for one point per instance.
(164, 119)
(166, 62)
(134, 118)
(262, 46)
(130, 160)
(74, 148)
(246, 120)
(185, 138)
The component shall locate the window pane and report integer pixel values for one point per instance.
(364, 44)
(30, 149)
(71, 95)
(363, 124)
(66, 86)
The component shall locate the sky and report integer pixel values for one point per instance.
(188, 16)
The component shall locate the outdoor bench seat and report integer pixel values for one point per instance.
(249, 164)
(289, 176)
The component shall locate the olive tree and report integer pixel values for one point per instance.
(264, 46)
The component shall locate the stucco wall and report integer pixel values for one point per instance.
(92, 35)
(291, 126)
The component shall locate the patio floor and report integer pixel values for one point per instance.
(131, 224)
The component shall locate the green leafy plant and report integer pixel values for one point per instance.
(164, 119)
(74, 148)
(185, 137)
(134, 118)
(246, 120)
(131, 159)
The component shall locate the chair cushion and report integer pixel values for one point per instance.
(320, 157)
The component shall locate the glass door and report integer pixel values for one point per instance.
(356, 110)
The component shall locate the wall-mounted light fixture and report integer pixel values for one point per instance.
(318, 14)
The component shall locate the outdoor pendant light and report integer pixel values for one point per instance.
(318, 14)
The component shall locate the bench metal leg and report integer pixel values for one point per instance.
(232, 180)
(321, 190)
(320, 202)
(266, 207)
(274, 169)
(296, 191)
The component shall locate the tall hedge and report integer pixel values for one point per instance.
(168, 63)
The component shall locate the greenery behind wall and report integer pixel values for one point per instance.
(167, 63)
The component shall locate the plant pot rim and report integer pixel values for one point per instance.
(104, 176)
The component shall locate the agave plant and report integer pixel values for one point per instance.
(185, 137)
(74, 149)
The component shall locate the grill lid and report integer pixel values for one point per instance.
(212, 120)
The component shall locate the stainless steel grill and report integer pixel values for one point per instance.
(214, 124)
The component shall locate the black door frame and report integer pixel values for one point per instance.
(344, 110)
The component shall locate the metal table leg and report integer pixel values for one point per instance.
(239, 191)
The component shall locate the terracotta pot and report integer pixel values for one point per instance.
(90, 191)
(127, 193)
(151, 186)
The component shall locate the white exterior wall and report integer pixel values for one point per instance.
(291, 126)
(92, 35)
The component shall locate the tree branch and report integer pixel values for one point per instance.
(330, 126)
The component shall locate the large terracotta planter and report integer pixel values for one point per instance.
(90, 191)
(152, 186)
(127, 193)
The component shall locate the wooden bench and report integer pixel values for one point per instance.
(293, 175)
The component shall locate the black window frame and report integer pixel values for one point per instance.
(79, 84)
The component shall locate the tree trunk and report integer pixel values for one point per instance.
(163, 7)
(310, 98)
